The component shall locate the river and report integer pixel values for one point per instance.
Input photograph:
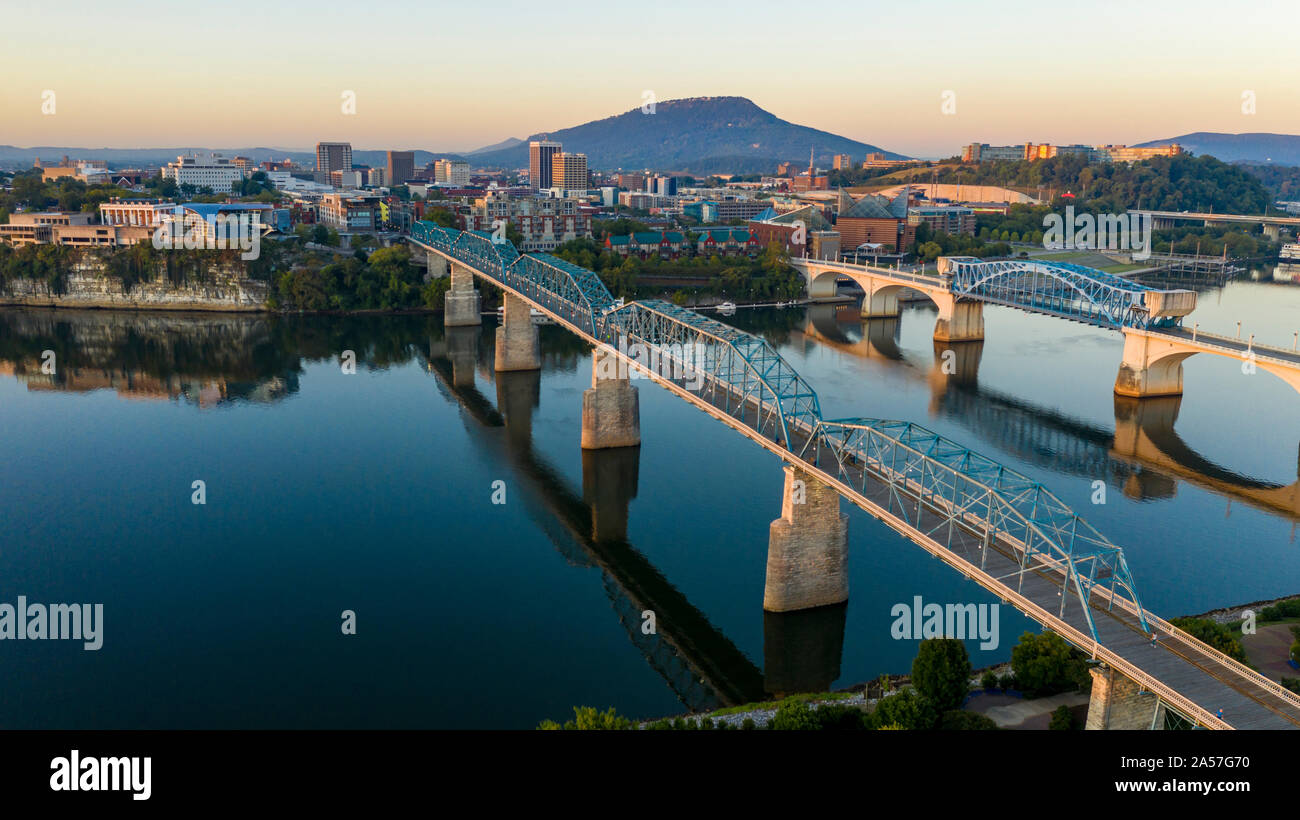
(372, 493)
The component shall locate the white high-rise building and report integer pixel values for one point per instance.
(207, 171)
(451, 172)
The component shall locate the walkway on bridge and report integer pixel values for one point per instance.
(996, 526)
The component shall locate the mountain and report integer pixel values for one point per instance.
(699, 135)
(1278, 149)
(139, 157)
(503, 144)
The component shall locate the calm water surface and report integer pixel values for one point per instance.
(372, 493)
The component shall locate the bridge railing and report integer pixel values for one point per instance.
(1251, 346)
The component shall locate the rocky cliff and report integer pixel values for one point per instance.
(88, 284)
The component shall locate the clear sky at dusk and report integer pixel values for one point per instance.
(456, 76)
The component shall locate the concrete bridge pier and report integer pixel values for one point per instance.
(959, 321)
(807, 548)
(1149, 367)
(1272, 232)
(609, 483)
(517, 347)
(436, 264)
(1119, 703)
(880, 301)
(462, 305)
(462, 352)
(611, 411)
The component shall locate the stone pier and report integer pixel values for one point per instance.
(1151, 367)
(880, 300)
(1119, 703)
(611, 414)
(517, 342)
(807, 549)
(958, 321)
(462, 305)
(436, 264)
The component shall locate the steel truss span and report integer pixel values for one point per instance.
(1062, 289)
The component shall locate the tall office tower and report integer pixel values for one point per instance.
(541, 154)
(333, 156)
(569, 172)
(401, 167)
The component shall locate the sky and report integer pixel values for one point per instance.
(458, 76)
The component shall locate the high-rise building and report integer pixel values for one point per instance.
(665, 186)
(842, 162)
(401, 167)
(203, 171)
(569, 172)
(333, 156)
(540, 157)
(451, 172)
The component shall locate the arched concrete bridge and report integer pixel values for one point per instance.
(1151, 319)
(998, 527)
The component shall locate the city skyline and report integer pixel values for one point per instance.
(460, 85)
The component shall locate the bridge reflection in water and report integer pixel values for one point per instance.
(1143, 455)
(703, 668)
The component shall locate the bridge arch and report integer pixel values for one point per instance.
(959, 320)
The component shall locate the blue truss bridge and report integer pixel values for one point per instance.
(996, 526)
(1068, 291)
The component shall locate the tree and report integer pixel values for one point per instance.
(1045, 664)
(1213, 633)
(957, 720)
(941, 672)
(1061, 718)
(906, 709)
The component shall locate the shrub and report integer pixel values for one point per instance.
(906, 709)
(748, 723)
(792, 715)
(1291, 683)
(941, 672)
(1007, 682)
(957, 720)
(1295, 651)
(1281, 610)
(1061, 719)
(1045, 664)
(835, 717)
(989, 680)
(587, 718)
